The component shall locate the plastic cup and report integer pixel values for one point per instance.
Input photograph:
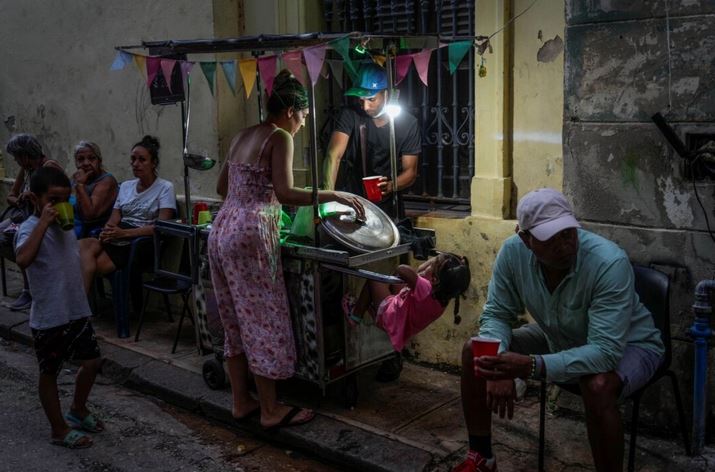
(204, 217)
(371, 189)
(65, 215)
(483, 346)
(199, 207)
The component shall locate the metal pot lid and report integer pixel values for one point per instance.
(377, 232)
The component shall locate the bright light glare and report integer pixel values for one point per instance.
(393, 109)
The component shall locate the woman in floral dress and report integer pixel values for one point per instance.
(244, 255)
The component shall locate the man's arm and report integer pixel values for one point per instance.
(406, 178)
(336, 150)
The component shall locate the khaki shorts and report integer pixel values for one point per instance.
(635, 369)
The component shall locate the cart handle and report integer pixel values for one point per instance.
(366, 274)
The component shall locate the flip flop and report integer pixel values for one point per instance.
(73, 440)
(287, 420)
(89, 423)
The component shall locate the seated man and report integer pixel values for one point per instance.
(590, 329)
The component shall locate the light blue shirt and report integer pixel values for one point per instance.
(589, 318)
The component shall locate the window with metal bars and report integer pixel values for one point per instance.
(445, 109)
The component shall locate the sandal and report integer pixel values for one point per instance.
(288, 420)
(89, 423)
(348, 304)
(73, 440)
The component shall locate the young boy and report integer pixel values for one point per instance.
(59, 315)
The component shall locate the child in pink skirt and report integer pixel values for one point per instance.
(405, 310)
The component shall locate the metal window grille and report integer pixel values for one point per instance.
(445, 109)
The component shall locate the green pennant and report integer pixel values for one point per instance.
(457, 52)
(209, 70)
(342, 46)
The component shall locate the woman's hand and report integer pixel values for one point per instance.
(81, 176)
(353, 201)
(111, 232)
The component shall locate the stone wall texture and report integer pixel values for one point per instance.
(624, 61)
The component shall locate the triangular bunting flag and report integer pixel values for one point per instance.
(342, 47)
(248, 74)
(456, 54)
(379, 60)
(209, 70)
(267, 69)
(314, 57)
(421, 60)
(152, 68)
(121, 60)
(167, 67)
(294, 63)
(140, 62)
(186, 67)
(337, 67)
(402, 67)
(229, 71)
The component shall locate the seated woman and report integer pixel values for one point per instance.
(28, 154)
(140, 203)
(95, 189)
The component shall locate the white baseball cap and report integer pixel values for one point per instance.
(545, 212)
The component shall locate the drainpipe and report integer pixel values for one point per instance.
(701, 332)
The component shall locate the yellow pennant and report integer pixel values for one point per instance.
(248, 74)
(140, 62)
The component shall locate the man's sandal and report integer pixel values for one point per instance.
(89, 423)
(73, 440)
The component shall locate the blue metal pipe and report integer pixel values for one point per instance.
(701, 333)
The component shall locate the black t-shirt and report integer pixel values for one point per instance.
(377, 157)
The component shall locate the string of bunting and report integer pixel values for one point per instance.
(307, 65)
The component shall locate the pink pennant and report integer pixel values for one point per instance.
(422, 64)
(152, 68)
(267, 70)
(314, 57)
(167, 67)
(402, 67)
(294, 62)
(186, 67)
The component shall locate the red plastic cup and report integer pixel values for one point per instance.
(371, 189)
(483, 346)
(199, 206)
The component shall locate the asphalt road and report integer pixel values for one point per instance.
(143, 434)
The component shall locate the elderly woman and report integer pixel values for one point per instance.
(28, 154)
(140, 203)
(95, 189)
(244, 255)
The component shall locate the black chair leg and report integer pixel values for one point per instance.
(542, 423)
(4, 281)
(168, 308)
(141, 315)
(181, 322)
(681, 411)
(634, 433)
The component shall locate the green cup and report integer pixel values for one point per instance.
(204, 217)
(65, 215)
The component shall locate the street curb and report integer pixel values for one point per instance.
(325, 438)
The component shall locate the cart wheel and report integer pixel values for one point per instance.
(351, 391)
(214, 375)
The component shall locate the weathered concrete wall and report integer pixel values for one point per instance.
(56, 81)
(623, 177)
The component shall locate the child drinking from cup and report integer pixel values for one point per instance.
(402, 311)
(59, 315)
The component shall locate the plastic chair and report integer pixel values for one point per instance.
(169, 282)
(653, 288)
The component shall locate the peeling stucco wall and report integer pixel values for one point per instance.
(623, 177)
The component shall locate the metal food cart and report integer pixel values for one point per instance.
(316, 272)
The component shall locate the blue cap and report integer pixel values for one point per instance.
(372, 79)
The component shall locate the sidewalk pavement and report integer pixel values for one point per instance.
(414, 424)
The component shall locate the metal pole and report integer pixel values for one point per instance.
(393, 145)
(314, 162)
(184, 129)
(261, 117)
